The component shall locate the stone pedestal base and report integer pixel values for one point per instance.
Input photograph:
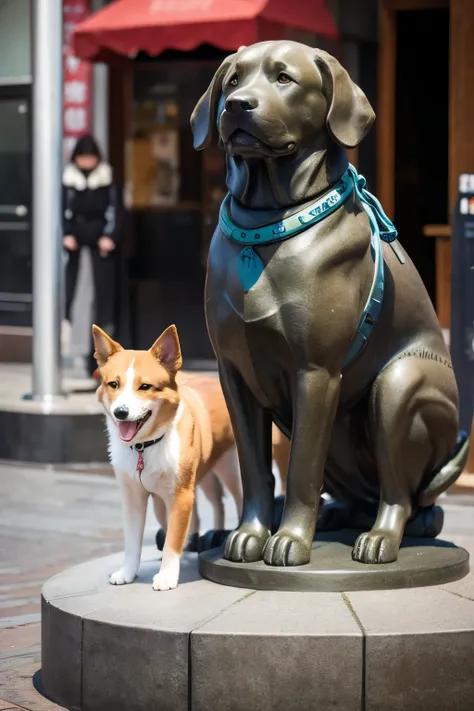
(206, 646)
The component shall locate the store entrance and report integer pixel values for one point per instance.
(172, 196)
(421, 134)
(15, 207)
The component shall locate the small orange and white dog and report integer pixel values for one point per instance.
(166, 432)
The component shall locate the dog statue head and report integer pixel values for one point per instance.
(276, 106)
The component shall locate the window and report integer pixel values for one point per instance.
(161, 166)
(15, 59)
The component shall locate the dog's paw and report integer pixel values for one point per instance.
(376, 546)
(246, 544)
(123, 576)
(285, 549)
(165, 581)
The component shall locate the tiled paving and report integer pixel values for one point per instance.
(51, 519)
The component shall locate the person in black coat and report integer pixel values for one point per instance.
(90, 209)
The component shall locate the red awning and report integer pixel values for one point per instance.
(126, 27)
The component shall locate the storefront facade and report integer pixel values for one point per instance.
(15, 167)
(16, 142)
(172, 193)
(425, 115)
(426, 104)
(139, 110)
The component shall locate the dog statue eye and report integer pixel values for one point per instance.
(145, 386)
(234, 80)
(113, 384)
(284, 78)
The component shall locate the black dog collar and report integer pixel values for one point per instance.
(140, 446)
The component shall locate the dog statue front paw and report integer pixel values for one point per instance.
(286, 549)
(247, 543)
(377, 546)
(123, 576)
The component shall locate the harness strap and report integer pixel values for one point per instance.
(382, 230)
(373, 306)
(250, 266)
(378, 219)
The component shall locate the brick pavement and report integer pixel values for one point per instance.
(51, 519)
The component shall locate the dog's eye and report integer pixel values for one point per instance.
(145, 386)
(113, 384)
(284, 78)
(234, 80)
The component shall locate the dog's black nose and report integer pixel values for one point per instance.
(241, 103)
(121, 413)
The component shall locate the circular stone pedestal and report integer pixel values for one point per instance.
(421, 562)
(206, 646)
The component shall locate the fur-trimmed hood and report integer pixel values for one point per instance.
(100, 177)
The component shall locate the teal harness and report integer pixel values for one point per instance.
(250, 266)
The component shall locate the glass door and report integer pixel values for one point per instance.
(15, 207)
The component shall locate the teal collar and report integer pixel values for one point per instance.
(289, 226)
(310, 215)
(251, 267)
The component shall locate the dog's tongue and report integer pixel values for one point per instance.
(127, 430)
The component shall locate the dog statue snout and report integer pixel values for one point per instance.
(241, 103)
(121, 413)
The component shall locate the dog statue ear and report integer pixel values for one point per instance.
(350, 115)
(104, 346)
(167, 350)
(208, 108)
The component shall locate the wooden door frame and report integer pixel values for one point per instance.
(387, 92)
(386, 134)
(386, 143)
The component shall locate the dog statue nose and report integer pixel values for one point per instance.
(121, 413)
(241, 103)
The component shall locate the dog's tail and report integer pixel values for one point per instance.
(446, 474)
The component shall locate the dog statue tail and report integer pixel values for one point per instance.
(447, 474)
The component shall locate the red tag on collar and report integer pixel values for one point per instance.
(140, 462)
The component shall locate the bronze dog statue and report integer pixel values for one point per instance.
(318, 318)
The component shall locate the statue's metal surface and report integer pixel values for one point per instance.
(377, 430)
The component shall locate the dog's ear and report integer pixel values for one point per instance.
(350, 115)
(167, 350)
(205, 114)
(104, 346)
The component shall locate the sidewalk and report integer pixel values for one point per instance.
(54, 517)
(16, 381)
(50, 519)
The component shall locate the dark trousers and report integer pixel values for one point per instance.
(104, 275)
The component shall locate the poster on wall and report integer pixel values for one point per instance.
(165, 149)
(152, 169)
(77, 111)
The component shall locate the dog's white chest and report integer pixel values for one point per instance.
(160, 461)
